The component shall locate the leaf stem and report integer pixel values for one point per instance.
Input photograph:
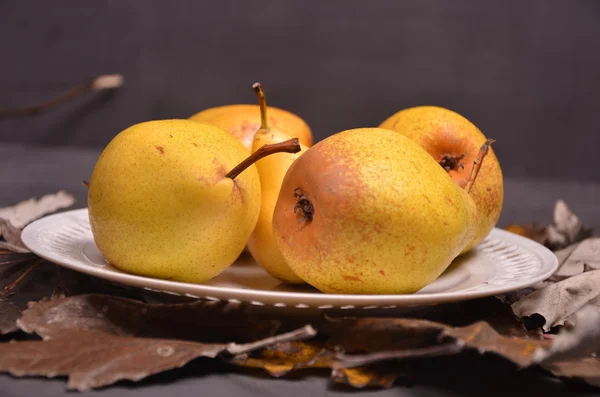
(356, 360)
(302, 333)
(289, 146)
(8, 289)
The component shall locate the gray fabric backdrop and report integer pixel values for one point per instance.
(527, 73)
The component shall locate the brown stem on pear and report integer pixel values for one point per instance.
(85, 183)
(289, 146)
(483, 151)
(262, 102)
(104, 82)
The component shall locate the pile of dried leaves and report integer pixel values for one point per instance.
(97, 334)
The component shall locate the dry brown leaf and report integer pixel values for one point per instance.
(21, 214)
(578, 258)
(360, 352)
(14, 218)
(385, 335)
(558, 301)
(565, 230)
(364, 352)
(201, 320)
(282, 358)
(482, 337)
(97, 340)
(12, 237)
(361, 377)
(365, 341)
(492, 310)
(93, 358)
(9, 314)
(587, 369)
(578, 341)
(532, 232)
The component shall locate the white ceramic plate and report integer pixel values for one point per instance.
(504, 262)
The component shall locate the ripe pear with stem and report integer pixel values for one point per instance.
(243, 120)
(175, 199)
(271, 170)
(453, 141)
(368, 211)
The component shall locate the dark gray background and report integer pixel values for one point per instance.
(527, 73)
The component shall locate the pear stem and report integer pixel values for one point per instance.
(262, 102)
(104, 82)
(483, 151)
(289, 146)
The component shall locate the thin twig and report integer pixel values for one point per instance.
(8, 289)
(303, 333)
(14, 261)
(289, 146)
(356, 360)
(104, 82)
(483, 151)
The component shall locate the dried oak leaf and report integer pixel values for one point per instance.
(92, 358)
(22, 213)
(580, 340)
(588, 369)
(14, 218)
(559, 301)
(281, 358)
(358, 350)
(97, 340)
(12, 237)
(578, 258)
(9, 314)
(200, 320)
(381, 376)
(492, 310)
(566, 229)
(482, 337)
(371, 340)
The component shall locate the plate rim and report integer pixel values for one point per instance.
(297, 299)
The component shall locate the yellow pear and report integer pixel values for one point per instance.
(368, 211)
(243, 120)
(271, 170)
(167, 200)
(454, 143)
